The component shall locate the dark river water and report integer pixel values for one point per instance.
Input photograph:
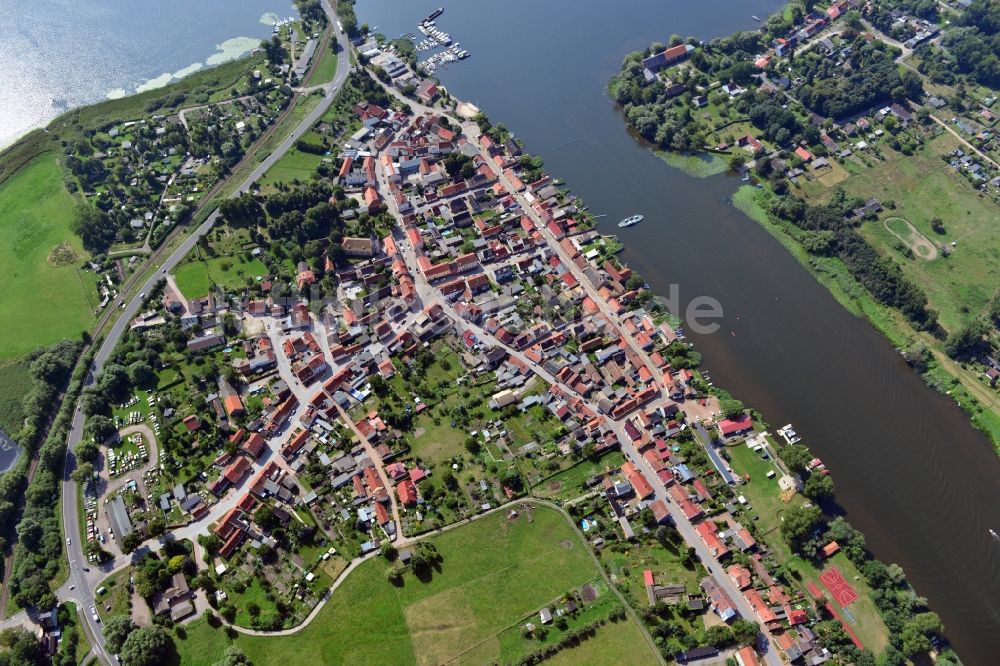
(910, 470)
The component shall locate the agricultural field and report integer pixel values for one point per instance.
(39, 261)
(494, 572)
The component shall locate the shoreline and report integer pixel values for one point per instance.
(851, 296)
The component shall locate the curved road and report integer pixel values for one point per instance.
(82, 577)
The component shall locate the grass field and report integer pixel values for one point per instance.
(924, 188)
(294, 165)
(916, 241)
(116, 595)
(36, 212)
(495, 572)
(615, 643)
(15, 380)
(327, 65)
(569, 483)
(195, 276)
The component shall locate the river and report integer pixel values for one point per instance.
(910, 471)
(56, 54)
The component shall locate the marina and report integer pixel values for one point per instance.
(281, 23)
(435, 38)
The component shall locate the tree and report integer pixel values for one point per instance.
(967, 342)
(22, 649)
(131, 541)
(796, 457)
(233, 657)
(731, 407)
(798, 524)
(719, 635)
(141, 374)
(83, 473)
(147, 646)
(818, 487)
(243, 211)
(116, 629)
(745, 632)
(94, 227)
(913, 642)
(100, 427)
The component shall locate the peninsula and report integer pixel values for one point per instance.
(866, 135)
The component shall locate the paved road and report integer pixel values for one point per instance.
(83, 578)
(430, 295)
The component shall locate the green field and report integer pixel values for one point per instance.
(15, 379)
(569, 483)
(495, 572)
(42, 303)
(327, 65)
(293, 165)
(195, 276)
(615, 643)
(924, 187)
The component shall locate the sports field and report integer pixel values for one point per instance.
(495, 572)
(45, 297)
(838, 587)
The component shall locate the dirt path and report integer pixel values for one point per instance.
(920, 244)
(135, 474)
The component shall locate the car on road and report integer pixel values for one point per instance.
(142, 294)
(72, 587)
(69, 542)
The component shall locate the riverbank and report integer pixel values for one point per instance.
(825, 193)
(939, 372)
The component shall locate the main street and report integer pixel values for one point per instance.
(83, 578)
(428, 295)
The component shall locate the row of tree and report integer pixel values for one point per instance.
(835, 236)
(39, 533)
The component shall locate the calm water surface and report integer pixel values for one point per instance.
(910, 470)
(55, 54)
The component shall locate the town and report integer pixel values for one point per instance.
(421, 353)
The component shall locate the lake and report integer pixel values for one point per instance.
(56, 54)
(910, 470)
